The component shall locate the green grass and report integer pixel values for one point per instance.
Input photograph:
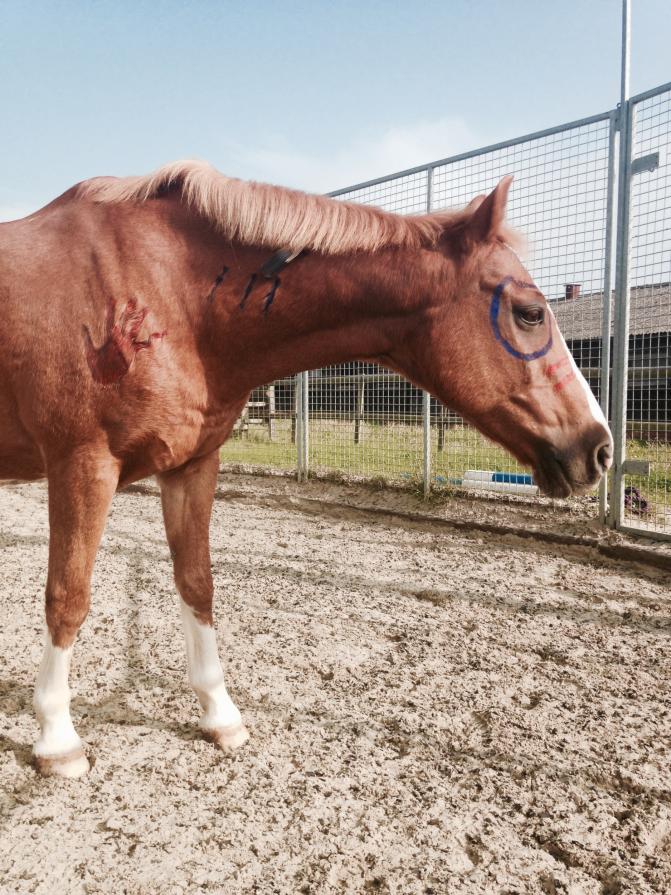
(254, 447)
(659, 454)
(392, 452)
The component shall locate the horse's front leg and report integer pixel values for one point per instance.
(186, 496)
(81, 487)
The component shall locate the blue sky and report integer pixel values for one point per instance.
(315, 95)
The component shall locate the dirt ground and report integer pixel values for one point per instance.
(432, 710)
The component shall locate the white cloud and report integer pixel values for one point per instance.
(359, 160)
(12, 212)
(362, 158)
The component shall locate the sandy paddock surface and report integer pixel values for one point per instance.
(432, 710)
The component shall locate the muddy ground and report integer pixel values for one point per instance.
(432, 710)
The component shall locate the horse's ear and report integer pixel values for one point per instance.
(488, 213)
(475, 203)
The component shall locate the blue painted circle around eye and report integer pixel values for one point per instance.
(494, 320)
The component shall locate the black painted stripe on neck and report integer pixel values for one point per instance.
(271, 296)
(248, 290)
(217, 283)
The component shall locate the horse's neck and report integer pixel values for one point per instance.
(315, 311)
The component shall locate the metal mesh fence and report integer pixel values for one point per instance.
(559, 200)
(647, 504)
(265, 435)
(366, 422)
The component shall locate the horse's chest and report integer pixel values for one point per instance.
(182, 437)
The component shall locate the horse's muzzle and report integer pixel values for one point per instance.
(578, 468)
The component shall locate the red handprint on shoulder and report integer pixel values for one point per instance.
(113, 359)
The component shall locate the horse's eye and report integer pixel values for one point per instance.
(531, 316)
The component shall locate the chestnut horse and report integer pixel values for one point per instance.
(138, 313)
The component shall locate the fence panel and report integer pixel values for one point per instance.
(559, 200)
(366, 422)
(264, 438)
(647, 498)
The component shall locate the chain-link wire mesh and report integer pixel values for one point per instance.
(264, 438)
(559, 201)
(366, 422)
(647, 499)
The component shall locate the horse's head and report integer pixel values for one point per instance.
(495, 354)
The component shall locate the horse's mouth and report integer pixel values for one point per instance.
(554, 480)
(551, 478)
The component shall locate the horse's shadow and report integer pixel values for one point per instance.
(22, 751)
(115, 706)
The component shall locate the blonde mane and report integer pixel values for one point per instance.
(275, 217)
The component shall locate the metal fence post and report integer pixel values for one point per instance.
(621, 334)
(426, 431)
(298, 411)
(604, 377)
(359, 408)
(426, 397)
(302, 426)
(305, 423)
(622, 296)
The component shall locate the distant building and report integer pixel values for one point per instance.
(580, 317)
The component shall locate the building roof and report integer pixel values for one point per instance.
(580, 318)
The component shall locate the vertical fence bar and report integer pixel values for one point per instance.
(622, 293)
(626, 52)
(426, 397)
(604, 379)
(359, 408)
(298, 409)
(621, 334)
(305, 428)
(426, 445)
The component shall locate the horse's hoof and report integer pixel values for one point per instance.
(228, 739)
(70, 765)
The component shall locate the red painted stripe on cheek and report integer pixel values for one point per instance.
(558, 386)
(552, 368)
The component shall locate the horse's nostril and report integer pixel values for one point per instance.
(604, 456)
